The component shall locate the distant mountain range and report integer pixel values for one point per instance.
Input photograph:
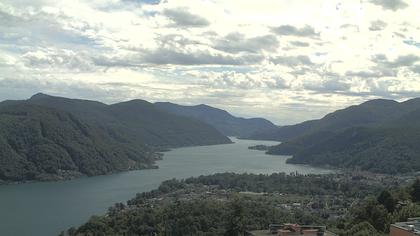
(138, 121)
(220, 119)
(378, 135)
(48, 137)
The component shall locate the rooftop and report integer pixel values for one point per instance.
(268, 233)
(274, 229)
(412, 225)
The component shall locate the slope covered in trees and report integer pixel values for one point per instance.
(49, 138)
(379, 135)
(380, 149)
(138, 121)
(223, 121)
(231, 204)
(38, 143)
(369, 113)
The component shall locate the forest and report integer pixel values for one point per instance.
(55, 138)
(232, 204)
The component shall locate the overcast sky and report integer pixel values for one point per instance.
(285, 60)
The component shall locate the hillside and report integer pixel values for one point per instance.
(138, 121)
(368, 113)
(233, 204)
(385, 150)
(38, 143)
(226, 123)
(380, 136)
(50, 138)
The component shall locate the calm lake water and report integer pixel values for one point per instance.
(43, 209)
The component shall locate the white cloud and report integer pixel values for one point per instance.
(391, 4)
(255, 58)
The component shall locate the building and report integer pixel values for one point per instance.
(409, 228)
(292, 230)
(295, 229)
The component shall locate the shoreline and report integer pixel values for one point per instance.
(159, 151)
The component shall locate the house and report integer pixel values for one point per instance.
(409, 228)
(295, 229)
(292, 230)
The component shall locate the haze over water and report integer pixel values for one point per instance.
(47, 208)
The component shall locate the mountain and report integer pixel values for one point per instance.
(378, 135)
(370, 112)
(138, 121)
(378, 149)
(39, 143)
(49, 138)
(223, 121)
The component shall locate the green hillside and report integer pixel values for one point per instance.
(38, 143)
(138, 121)
(376, 136)
(368, 113)
(50, 138)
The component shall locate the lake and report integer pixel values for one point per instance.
(47, 208)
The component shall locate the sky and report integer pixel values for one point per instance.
(287, 61)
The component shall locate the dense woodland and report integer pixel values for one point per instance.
(378, 136)
(50, 138)
(137, 121)
(216, 205)
(380, 149)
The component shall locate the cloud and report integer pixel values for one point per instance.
(49, 26)
(393, 5)
(379, 72)
(328, 85)
(236, 42)
(416, 69)
(400, 61)
(351, 27)
(166, 56)
(153, 2)
(9, 19)
(377, 25)
(299, 44)
(14, 88)
(176, 41)
(58, 58)
(292, 60)
(412, 42)
(181, 17)
(197, 51)
(335, 85)
(240, 80)
(306, 31)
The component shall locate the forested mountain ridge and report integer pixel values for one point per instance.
(39, 143)
(139, 121)
(379, 136)
(220, 119)
(49, 138)
(371, 112)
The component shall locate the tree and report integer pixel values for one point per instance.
(411, 210)
(362, 229)
(373, 213)
(387, 200)
(415, 191)
(236, 221)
